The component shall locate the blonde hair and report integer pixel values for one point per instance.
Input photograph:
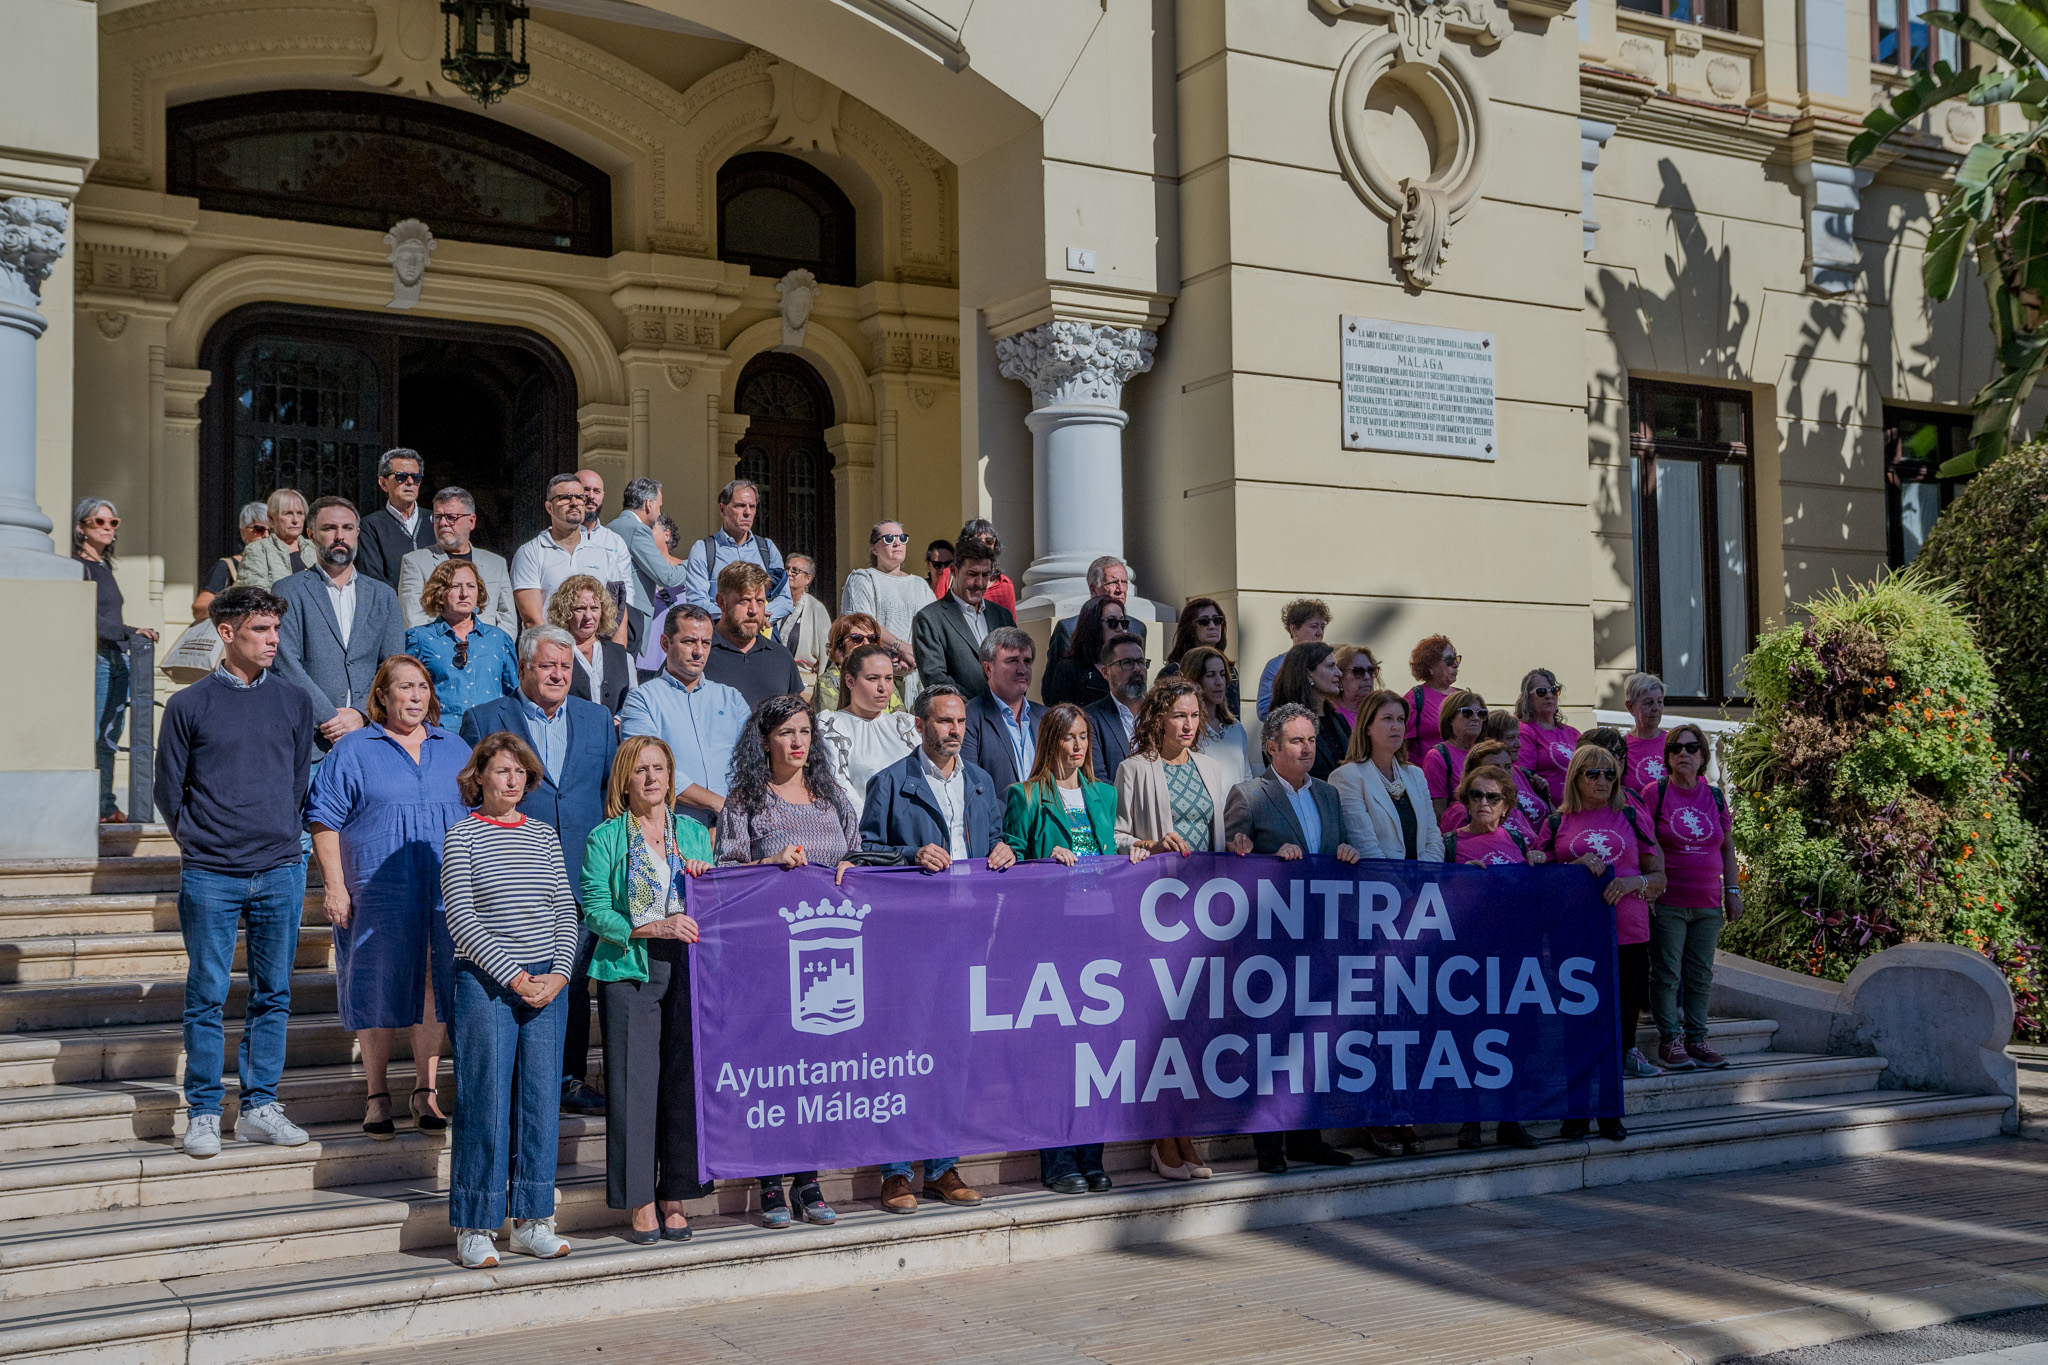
(434, 596)
(1447, 715)
(564, 602)
(628, 758)
(1584, 757)
(276, 502)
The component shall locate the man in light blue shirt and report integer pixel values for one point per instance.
(550, 731)
(1002, 726)
(738, 502)
(700, 720)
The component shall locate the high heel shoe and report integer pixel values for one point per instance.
(380, 1130)
(426, 1120)
(1165, 1172)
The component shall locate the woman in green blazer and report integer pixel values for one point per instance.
(635, 868)
(1063, 813)
(1060, 811)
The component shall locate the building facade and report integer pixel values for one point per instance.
(1079, 266)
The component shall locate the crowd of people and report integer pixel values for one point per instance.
(507, 807)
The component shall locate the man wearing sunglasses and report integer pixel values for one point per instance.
(401, 525)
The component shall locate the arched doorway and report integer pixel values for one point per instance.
(308, 398)
(784, 452)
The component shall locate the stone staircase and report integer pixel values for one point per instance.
(115, 1246)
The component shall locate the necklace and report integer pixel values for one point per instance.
(1395, 787)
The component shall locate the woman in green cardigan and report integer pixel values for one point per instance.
(634, 872)
(1061, 812)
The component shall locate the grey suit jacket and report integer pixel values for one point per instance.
(1259, 807)
(310, 654)
(653, 571)
(418, 566)
(946, 651)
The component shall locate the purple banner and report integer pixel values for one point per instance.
(906, 1015)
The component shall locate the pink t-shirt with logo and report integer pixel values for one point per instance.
(1424, 721)
(1607, 835)
(1645, 761)
(1529, 802)
(1443, 768)
(1690, 828)
(1547, 752)
(1497, 849)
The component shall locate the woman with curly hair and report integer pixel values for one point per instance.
(470, 660)
(1433, 663)
(604, 671)
(784, 809)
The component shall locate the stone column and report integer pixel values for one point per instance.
(1076, 372)
(31, 240)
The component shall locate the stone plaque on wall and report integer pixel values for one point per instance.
(1419, 390)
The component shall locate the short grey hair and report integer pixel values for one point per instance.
(533, 637)
(253, 514)
(454, 494)
(731, 490)
(1276, 722)
(1007, 637)
(1098, 572)
(1638, 686)
(399, 453)
(639, 492)
(810, 565)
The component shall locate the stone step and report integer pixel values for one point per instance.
(113, 956)
(157, 1051)
(1729, 1037)
(107, 913)
(35, 1005)
(84, 876)
(137, 841)
(1753, 1076)
(293, 1305)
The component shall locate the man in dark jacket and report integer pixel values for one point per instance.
(947, 635)
(1002, 725)
(1113, 721)
(401, 525)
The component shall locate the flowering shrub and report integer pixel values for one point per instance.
(1874, 804)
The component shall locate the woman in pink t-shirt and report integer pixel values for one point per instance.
(1492, 753)
(1695, 833)
(1359, 674)
(1547, 742)
(1461, 718)
(1434, 664)
(1595, 828)
(1488, 842)
(1643, 696)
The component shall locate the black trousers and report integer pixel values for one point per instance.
(650, 1124)
(1632, 963)
(576, 1032)
(1296, 1143)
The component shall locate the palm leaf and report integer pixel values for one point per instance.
(1925, 90)
(2024, 24)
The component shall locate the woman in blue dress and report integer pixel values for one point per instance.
(469, 661)
(380, 806)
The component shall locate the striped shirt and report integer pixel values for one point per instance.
(507, 898)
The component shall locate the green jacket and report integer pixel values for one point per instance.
(618, 955)
(1035, 819)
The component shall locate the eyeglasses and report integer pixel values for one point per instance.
(1598, 774)
(1486, 799)
(1688, 746)
(400, 476)
(1138, 663)
(940, 563)
(451, 517)
(852, 639)
(1364, 672)
(111, 523)
(567, 497)
(1113, 624)
(1208, 620)
(892, 540)
(1472, 713)
(1449, 661)
(1545, 691)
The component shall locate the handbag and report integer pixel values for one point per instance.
(196, 654)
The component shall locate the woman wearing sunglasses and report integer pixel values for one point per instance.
(1497, 757)
(890, 598)
(1202, 626)
(94, 524)
(1443, 767)
(1597, 829)
(1547, 742)
(1433, 663)
(1358, 677)
(849, 632)
(1697, 837)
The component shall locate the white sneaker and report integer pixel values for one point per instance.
(478, 1250)
(269, 1124)
(536, 1237)
(202, 1135)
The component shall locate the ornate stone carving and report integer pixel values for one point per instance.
(799, 290)
(1425, 232)
(1422, 24)
(1728, 77)
(1643, 57)
(805, 110)
(922, 396)
(1067, 362)
(680, 377)
(111, 323)
(411, 244)
(31, 240)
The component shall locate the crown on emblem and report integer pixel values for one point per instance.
(825, 915)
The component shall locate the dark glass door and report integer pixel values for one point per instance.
(784, 453)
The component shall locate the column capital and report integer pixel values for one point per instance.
(31, 240)
(1072, 362)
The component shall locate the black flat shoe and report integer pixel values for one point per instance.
(380, 1130)
(1571, 1130)
(1612, 1130)
(1273, 1165)
(1411, 1141)
(1468, 1137)
(426, 1120)
(1512, 1134)
(1098, 1181)
(681, 1234)
(1071, 1183)
(642, 1239)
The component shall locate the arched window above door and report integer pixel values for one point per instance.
(364, 160)
(777, 214)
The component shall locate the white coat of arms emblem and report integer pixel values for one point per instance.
(825, 993)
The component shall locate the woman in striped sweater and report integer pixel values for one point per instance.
(516, 932)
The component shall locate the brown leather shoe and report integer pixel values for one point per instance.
(896, 1195)
(951, 1188)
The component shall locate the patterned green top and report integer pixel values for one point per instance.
(1194, 814)
(1077, 821)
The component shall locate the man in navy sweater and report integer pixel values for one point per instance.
(233, 762)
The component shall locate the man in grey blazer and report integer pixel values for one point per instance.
(454, 524)
(661, 583)
(343, 624)
(1289, 814)
(947, 635)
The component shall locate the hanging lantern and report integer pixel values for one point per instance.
(484, 47)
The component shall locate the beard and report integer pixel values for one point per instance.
(339, 555)
(1131, 692)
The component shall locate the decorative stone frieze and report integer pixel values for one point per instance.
(1076, 362)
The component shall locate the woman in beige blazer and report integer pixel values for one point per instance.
(1169, 799)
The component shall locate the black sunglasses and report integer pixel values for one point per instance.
(1357, 672)
(1472, 713)
(404, 477)
(1485, 799)
(1598, 774)
(1545, 691)
(1686, 746)
(1208, 620)
(462, 653)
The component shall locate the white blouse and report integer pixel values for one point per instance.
(1230, 749)
(861, 748)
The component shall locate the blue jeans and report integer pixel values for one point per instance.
(110, 713)
(211, 905)
(934, 1167)
(508, 1062)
